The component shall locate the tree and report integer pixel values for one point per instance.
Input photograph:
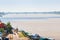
(9, 27)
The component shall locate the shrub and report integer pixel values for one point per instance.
(2, 30)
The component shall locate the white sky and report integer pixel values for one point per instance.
(29, 5)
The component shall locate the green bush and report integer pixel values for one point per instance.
(1, 29)
(25, 33)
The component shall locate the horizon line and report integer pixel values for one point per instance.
(30, 11)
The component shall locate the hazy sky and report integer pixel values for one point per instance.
(29, 5)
